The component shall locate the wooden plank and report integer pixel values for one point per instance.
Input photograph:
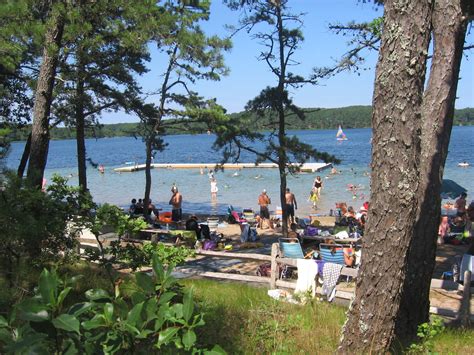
(155, 231)
(444, 312)
(287, 261)
(344, 295)
(274, 265)
(223, 254)
(88, 245)
(286, 284)
(235, 277)
(331, 237)
(313, 167)
(464, 311)
(348, 271)
(444, 284)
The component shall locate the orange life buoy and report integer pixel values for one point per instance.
(165, 217)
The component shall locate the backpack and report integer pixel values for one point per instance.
(264, 270)
(205, 231)
(311, 231)
(209, 245)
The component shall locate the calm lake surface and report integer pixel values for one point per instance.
(242, 190)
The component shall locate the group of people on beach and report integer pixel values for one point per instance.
(461, 224)
(138, 207)
(264, 216)
(176, 200)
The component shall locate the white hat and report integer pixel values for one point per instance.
(264, 191)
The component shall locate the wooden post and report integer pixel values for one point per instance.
(274, 266)
(464, 313)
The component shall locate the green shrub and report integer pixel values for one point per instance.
(426, 333)
(168, 254)
(38, 226)
(151, 318)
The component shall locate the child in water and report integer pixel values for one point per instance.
(313, 197)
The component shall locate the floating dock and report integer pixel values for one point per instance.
(306, 167)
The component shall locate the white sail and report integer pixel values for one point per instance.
(340, 136)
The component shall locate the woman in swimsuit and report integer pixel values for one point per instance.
(318, 185)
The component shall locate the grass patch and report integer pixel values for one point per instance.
(243, 319)
(454, 341)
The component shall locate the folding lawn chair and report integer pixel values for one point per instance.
(290, 248)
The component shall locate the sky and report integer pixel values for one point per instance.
(321, 47)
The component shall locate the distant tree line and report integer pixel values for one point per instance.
(316, 118)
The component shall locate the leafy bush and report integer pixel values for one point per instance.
(112, 216)
(150, 319)
(426, 333)
(167, 254)
(135, 257)
(37, 225)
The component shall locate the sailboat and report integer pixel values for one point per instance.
(340, 136)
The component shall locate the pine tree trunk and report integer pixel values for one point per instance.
(80, 128)
(43, 98)
(449, 31)
(282, 157)
(24, 157)
(148, 147)
(379, 306)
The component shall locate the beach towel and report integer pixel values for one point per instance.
(331, 274)
(320, 264)
(342, 235)
(248, 234)
(307, 271)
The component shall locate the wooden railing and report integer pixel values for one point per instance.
(462, 316)
(275, 260)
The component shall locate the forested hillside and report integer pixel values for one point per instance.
(316, 118)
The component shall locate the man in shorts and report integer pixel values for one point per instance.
(290, 206)
(264, 201)
(176, 201)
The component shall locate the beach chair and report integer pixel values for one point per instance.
(290, 248)
(249, 215)
(238, 219)
(332, 253)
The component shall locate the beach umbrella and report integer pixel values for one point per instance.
(451, 189)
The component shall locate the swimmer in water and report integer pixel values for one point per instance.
(257, 176)
(236, 174)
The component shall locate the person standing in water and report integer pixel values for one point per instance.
(214, 188)
(318, 185)
(176, 201)
(290, 206)
(264, 201)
